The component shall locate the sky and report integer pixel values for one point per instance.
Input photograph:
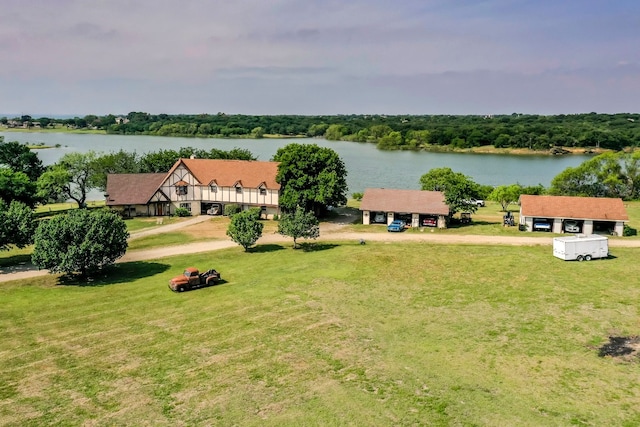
(313, 57)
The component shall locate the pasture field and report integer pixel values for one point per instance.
(335, 334)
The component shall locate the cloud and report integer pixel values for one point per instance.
(319, 56)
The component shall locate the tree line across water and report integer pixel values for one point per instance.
(389, 132)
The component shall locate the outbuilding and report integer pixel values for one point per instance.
(415, 207)
(568, 214)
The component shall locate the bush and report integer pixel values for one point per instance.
(80, 241)
(245, 228)
(232, 209)
(629, 231)
(357, 196)
(182, 212)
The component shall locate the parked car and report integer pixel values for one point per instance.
(541, 226)
(379, 218)
(478, 202)
(396, 225)
(571, 226)
(430, 222)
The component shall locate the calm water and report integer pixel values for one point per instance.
(366, 165)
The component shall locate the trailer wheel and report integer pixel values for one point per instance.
(587, 257)
(579, 258)
(181, 289)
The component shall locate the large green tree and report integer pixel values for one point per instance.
(19, 158)
(606, 175)
(458, 188)
(312, 177)
(17, 186)
(17, 225)
(506, 195)
(163, 160)
(71, 178)
(81, 241)
(119, 162)
(245, 228)
(299, 224)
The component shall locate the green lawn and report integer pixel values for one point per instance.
(145, 223)
(56, 208)
(345, 334)
(165, 239)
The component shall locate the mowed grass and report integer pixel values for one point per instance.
(338, 334)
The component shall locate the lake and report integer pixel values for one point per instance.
(366, 165)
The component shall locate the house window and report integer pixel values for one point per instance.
(263, 191)
(239, 190)
(181, 190)
(214, 188)
(186, 206)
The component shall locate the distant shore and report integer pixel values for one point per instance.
(485, 149)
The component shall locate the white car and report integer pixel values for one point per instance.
(478, 202)
(571, 226)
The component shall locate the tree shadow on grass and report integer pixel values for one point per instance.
(316, 247)
(266, 248)
(471, 224)
(14, 260)
(116, 274)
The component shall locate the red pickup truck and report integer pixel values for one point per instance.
(193, 279)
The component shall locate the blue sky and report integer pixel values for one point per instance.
(319, 56)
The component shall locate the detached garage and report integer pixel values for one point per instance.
(566, 214)
(417, 208)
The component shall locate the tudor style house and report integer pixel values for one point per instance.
(202, 186)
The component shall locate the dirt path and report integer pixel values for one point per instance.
(328, 232)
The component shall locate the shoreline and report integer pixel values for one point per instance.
(486, 149)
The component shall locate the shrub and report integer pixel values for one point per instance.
(629, 231)
(182, 212)
(357, 196)
(245, 228)
(299, 224)
(232, 209)
(81, 241)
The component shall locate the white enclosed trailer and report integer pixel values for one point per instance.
(581, 247)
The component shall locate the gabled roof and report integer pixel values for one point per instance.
(410, 201)
(132, 188)
(598, 208)
(226, 173)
